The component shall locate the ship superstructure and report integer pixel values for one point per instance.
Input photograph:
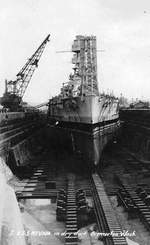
(85, 66)
(80, 109)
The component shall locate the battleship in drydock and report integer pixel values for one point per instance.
(80, 114)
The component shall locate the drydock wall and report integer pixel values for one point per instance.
(21, 153)
(135, 134)
(20, 140)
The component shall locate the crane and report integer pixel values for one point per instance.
(14, 90)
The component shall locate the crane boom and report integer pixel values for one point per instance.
(14, 90)
(24, 76)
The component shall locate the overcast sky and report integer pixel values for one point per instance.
(122, 28)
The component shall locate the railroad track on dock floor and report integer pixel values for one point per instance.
(42, 184)
(106, 219)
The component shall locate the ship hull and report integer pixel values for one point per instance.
(87, 110)
(84, 124)
(89, 143)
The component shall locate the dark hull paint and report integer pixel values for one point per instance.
(89, 140)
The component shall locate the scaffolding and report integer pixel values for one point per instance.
(85, 63)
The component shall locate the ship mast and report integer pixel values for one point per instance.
(85, 61)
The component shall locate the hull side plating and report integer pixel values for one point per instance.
(89, 142)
